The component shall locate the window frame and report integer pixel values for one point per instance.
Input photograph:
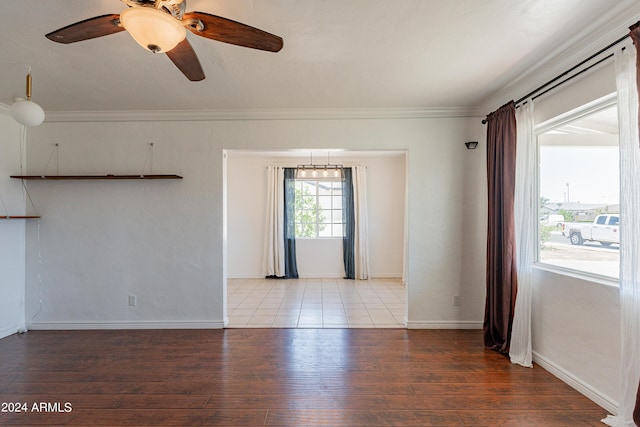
(585, 110)
(317, 197)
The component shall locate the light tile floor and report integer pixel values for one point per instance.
(316, 303)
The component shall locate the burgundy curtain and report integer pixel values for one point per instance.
(635, 35)
(636, 410)
(502, 283)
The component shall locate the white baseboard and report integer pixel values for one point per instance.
(14, 329)
(244, 276)
(373, 276)
(443, 324)
(8, 331)
(592, 394)
(53, 326)
(397, 276)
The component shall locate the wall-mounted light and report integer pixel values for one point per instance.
(471, 145)
(25, 111)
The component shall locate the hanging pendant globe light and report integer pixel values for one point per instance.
(25, 111)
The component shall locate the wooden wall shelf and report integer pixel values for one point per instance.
(20, 217)
(69, 177)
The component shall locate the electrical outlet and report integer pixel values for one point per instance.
(133, 301)
(456, 300)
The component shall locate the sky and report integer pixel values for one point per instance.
(591, 172)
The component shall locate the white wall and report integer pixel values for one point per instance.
(101, 241)
(473, 238)
(576, 333)
(598, 82)
(246, 186)
(12, 237)
(164, 240)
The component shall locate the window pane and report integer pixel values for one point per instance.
(324, 230)
(315, 208)
(324, 188)
(324, 202)
(579, 194)
(307, 215)
(323, 214)
(337, 202)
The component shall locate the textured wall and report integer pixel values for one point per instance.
(164, 241)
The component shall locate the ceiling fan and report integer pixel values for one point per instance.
(160, 27)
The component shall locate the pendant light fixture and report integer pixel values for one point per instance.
(25, 111)
(314, 171)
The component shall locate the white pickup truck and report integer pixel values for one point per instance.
(604, 229)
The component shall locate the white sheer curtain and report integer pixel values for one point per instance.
(629, 236)
(274, 257)
(361, 245)
(525, 214)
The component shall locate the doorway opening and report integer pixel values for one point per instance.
(320, 297)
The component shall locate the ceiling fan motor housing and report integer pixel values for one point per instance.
(175, 7)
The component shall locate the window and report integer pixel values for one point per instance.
(318, 209)
(578, 178)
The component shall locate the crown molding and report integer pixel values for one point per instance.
(266, 114)
(574, 50)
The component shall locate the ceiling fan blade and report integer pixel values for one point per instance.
(185, 58)
(87, 29)
(228, 31)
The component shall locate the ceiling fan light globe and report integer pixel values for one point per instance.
(27, 113)
(153, 29)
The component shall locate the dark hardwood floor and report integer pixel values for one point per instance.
(277, 377)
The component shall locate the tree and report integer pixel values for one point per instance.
(541, 206)
(543, 201)
(569, 216)
(545, 234)
(307, 213)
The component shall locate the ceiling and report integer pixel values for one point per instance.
(338, 54)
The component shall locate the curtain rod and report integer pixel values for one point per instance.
(539, 90)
